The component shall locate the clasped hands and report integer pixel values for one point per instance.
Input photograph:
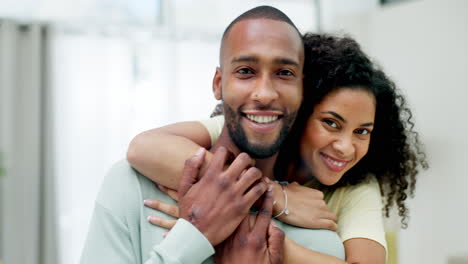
(217, 202)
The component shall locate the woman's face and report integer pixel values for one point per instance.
(338, 133)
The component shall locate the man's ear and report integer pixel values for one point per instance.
(217, 90)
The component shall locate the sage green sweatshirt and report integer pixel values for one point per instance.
(120, 233)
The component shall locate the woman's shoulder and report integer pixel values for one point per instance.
(370, 183)
(359, 211)
(364, 193)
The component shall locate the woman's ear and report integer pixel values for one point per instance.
(217, 90)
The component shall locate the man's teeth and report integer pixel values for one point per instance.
(336, 163)
(262, 119)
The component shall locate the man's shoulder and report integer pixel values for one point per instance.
(120, 190)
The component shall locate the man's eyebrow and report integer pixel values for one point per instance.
(286, 61)
(342, 119)
(244, 59)
(282, 61)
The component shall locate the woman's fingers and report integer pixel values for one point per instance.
(327, 224)
(165, 223)
(330, 215)
(166, 208)
(172, 193)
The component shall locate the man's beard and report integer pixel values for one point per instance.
(239, 137)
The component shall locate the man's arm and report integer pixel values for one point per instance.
(184, 244)
(109, 241)
(115, 233)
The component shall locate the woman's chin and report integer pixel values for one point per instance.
(329, 180)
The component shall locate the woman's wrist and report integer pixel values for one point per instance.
(285, 210)
(278, 198)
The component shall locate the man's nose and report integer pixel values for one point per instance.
(264, 91)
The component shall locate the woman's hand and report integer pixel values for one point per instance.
(172, 193)
(306, 207)
(169, 209)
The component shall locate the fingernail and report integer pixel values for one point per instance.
(165, 234)
(199, 152)
(149, 218)
(147, 202)
(161, 187)
(270, 187)
(273, 223)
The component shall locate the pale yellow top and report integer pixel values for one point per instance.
(358, 207)
(359, 211)
(214, 126)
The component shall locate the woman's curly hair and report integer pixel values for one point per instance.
(395, 154)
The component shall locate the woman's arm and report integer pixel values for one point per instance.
(358, 250)
(160, 153)
(362, 250)
(297, 254)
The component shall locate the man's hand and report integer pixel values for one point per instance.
(307, 208)
(218, 202)
(262, 243)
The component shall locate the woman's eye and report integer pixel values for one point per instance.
(363, 131)
(331, 123)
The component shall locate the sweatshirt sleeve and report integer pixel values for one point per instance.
(184, 244)
(108, 242)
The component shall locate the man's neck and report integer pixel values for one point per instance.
(265, 165)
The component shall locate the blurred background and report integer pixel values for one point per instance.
(79, 79)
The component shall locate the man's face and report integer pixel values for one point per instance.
(260, 83)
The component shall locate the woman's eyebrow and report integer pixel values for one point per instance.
(367, 124)
(335, 115)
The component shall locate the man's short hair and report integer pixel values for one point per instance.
(259, 12)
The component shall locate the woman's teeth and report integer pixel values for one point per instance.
(334, 162)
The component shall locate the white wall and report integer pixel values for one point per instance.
(423, 45)
(105, 92)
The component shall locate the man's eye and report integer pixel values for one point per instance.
(245, 71)
(285, 73)
(330, 123)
